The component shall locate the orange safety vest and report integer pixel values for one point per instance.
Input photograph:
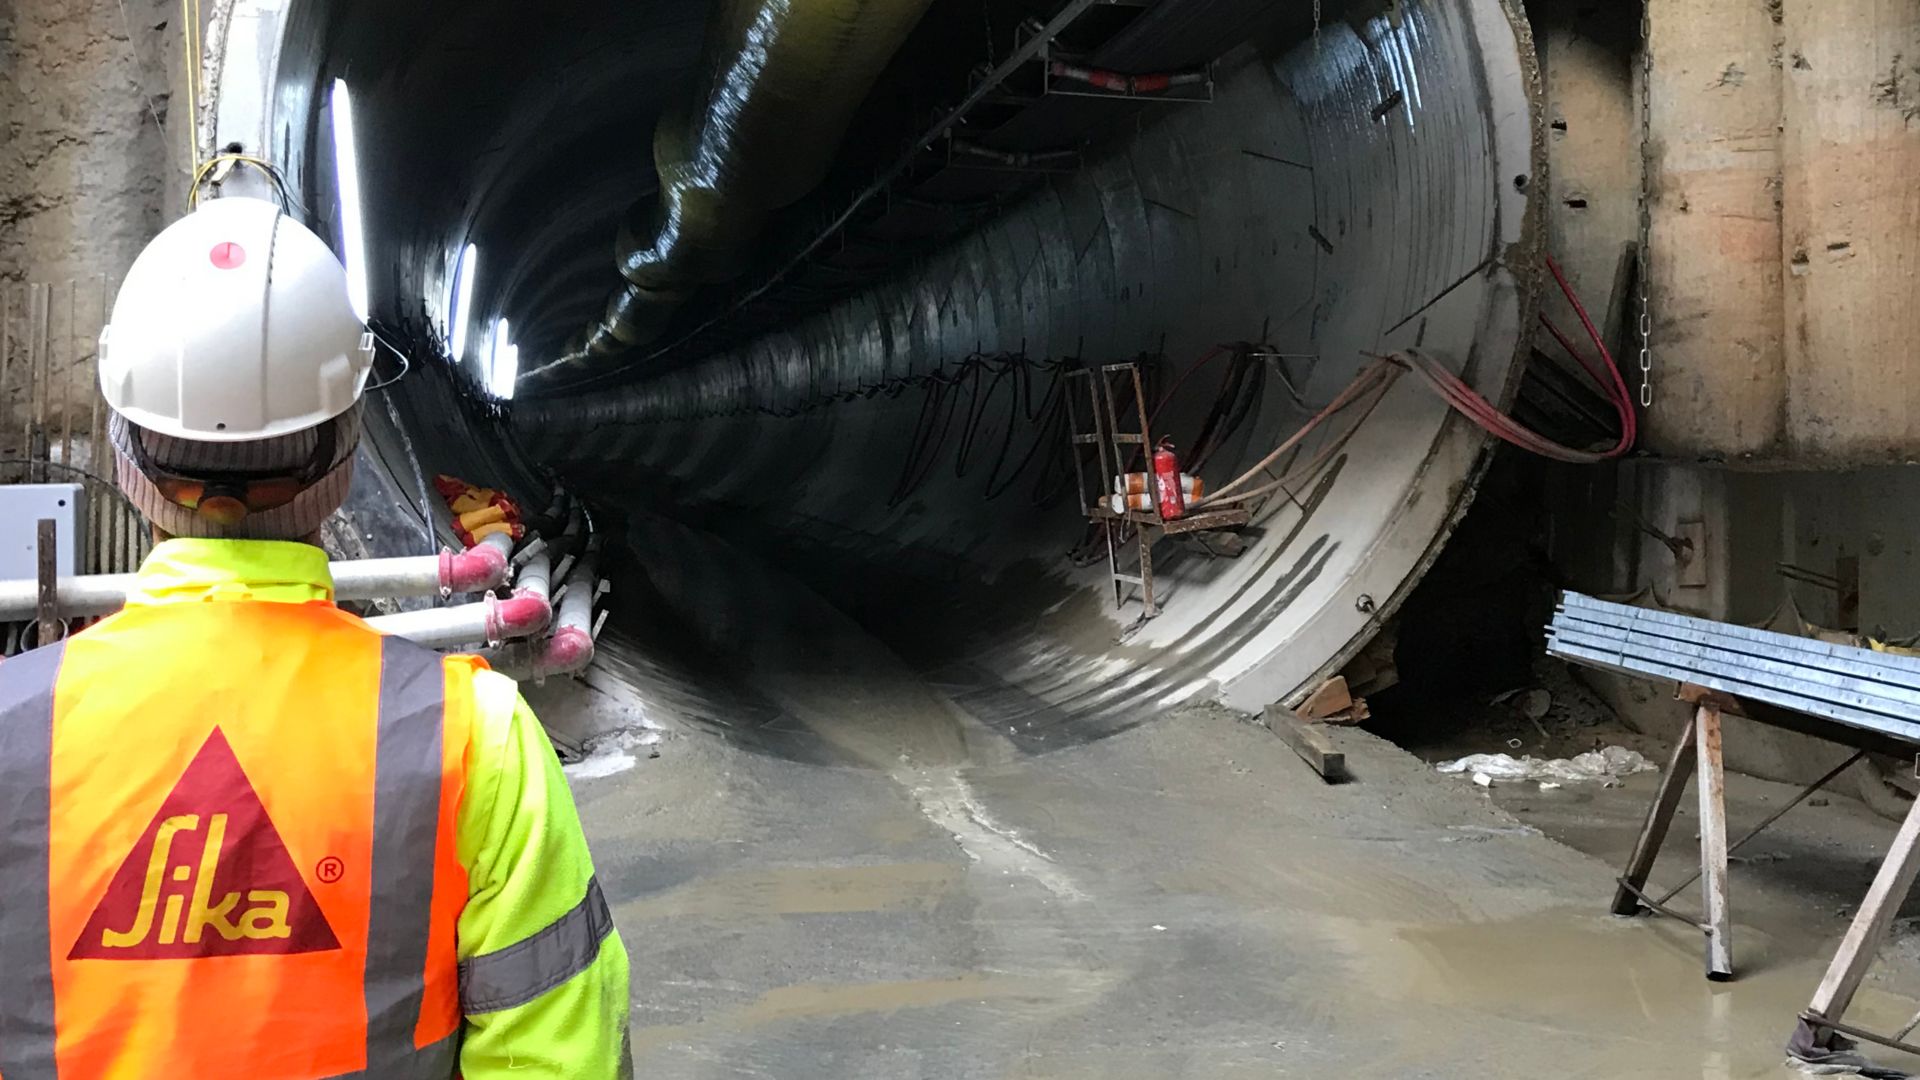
(229, 848)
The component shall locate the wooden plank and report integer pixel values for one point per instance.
(1862, 941)
(49, 578)
(1673, 784)
(1309, 742)
(1713, 843)
(1208, 519)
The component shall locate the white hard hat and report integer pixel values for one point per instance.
(233, 325)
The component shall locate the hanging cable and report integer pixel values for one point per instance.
(1469, 403)
(1372, 376)
(281, 192)
(404, 356)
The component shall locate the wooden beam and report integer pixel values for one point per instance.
(1713, 843)
(48, 551)
(1869, 929)
(1310, 742)
(1673, 784)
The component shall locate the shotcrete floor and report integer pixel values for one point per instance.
(1180, 900)
(831, 871)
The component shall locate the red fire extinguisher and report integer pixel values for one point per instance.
(1166, 481)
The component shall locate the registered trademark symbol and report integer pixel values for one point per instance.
(330, 870)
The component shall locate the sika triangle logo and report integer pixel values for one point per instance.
(209, 877)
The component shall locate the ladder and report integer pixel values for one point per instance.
(1116, 404)
(1106, 435)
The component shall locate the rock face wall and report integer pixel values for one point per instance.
(83, 100)
(84, 142)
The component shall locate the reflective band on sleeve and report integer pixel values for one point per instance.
(406, 809)
(520, 973)
(26, 801)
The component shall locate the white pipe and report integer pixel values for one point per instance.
(491, 620)
(526, 613)
(477, 569)
(438, 628)
(576, 607)
(534, 578)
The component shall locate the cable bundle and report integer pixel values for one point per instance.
(1482, 412)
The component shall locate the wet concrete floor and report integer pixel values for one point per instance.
(920, 896)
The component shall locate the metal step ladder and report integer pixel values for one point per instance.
(1113, 392)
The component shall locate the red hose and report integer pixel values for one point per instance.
(1470, 404)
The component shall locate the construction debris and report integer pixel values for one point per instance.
(1607, 765)
(1332, 703)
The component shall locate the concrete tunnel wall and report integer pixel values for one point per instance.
(1293, 207)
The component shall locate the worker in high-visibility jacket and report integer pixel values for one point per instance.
(244, 834)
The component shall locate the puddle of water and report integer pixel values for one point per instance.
(1569, 977)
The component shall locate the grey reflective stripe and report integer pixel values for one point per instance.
(26, 802)
(520, 973)
(441, 1061)
(406, 826)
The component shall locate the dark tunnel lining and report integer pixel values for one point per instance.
(1378, 231)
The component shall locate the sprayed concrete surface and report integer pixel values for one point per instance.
(837, 872)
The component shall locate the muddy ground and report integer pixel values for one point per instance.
(1182, 899)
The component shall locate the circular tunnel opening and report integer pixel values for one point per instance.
(845, 481)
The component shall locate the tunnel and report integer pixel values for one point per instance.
(835, 459)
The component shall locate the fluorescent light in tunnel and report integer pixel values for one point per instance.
(503, 363)
(507, 372)
(463, 296)
(346, 163)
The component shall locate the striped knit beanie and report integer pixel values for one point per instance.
(297, 520)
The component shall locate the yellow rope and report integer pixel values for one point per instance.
(212, 164)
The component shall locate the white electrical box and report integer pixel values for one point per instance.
(21, 508)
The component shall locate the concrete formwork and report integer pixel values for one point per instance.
(1850, 156)
(1786, 231)
(1716, 266)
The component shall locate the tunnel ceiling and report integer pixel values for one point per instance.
(540, 143)
(539, 138)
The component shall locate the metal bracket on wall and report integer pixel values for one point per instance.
(1691, 567)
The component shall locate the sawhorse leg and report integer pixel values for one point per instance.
(1673, 785)
(1699, 746)
(1869, 929)
(1713, 844)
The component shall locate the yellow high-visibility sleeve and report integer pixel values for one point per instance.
(543, 974)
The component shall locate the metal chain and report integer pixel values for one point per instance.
(1316, 25)
(1646, 201)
